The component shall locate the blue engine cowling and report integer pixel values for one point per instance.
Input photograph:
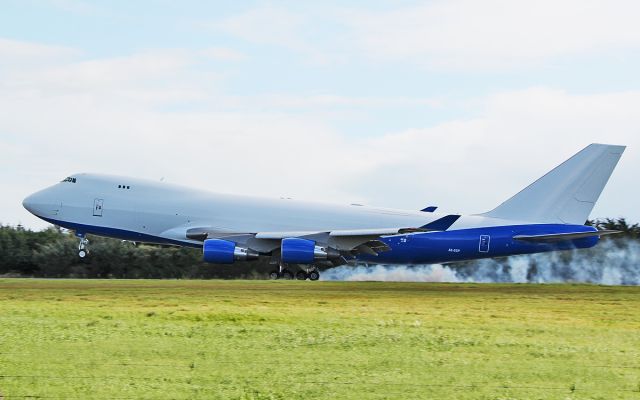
(298, 251)
(304, 251)
(220, 251)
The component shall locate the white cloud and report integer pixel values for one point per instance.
(77, 6)
(266, 25)
(153, 77)
(16, 52)
(224, 54)
(472, 165)
(286, 101)
(500, 34)
(131, 69)
(446, 34)
(298, 31)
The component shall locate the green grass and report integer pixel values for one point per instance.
(159, 340)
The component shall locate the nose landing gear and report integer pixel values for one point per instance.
(82, 247)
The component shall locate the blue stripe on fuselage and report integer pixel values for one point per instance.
(416, 248)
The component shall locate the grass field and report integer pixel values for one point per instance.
(68, 339)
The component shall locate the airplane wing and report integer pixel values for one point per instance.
(348, 242)
(264, 242)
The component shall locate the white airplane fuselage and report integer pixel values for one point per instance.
(163, 211)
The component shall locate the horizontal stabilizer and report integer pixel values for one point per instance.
(558, 237)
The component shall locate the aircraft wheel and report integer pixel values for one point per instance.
(314, 275)
(274, 275)
(301, 275)
(286, 274)
(82, 253)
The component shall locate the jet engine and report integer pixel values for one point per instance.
(304, 251)
(220, 251)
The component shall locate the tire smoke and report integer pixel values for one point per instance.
(612, 262)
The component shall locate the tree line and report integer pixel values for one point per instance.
(52, 253)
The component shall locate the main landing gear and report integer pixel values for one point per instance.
(313, 275)
(82, 247)
(282, 273)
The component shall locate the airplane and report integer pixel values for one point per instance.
(548, 215)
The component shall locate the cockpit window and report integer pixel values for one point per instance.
(69, 179)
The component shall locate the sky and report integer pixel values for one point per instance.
(400, 104)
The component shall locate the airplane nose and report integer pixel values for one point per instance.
(42, 203)
(28, 203)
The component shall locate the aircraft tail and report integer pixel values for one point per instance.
(567, 193)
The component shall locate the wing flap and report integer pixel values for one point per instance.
(372, 232)
(286, 234)
(372, 247)
(339, 233)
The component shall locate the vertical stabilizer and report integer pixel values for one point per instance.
(568, 193)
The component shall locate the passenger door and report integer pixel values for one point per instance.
(483, 246)
(97, 207)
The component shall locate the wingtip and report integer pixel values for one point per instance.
(615, 147)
